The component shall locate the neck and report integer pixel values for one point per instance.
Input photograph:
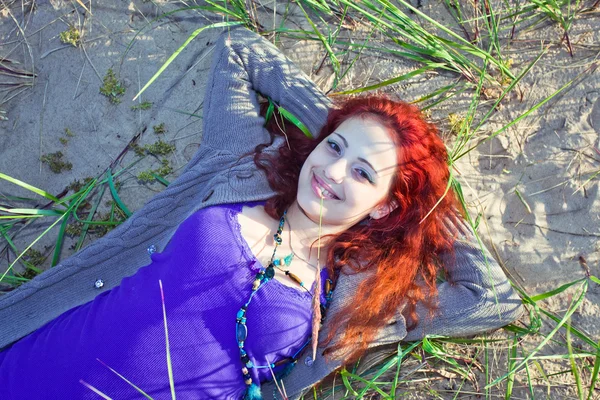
(304, 232)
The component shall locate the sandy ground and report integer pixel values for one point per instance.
(539, 236)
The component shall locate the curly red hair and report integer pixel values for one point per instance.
(402, 248)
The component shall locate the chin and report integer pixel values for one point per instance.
(311, 207)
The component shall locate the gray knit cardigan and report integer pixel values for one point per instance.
(479, 297)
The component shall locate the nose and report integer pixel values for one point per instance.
(336, 170)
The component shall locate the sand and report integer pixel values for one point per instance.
(540, 213)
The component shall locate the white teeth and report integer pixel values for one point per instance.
(327, 193)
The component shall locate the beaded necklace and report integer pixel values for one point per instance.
(263, 276)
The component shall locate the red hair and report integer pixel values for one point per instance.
(403, 247)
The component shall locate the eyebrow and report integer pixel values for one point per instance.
(359, 158)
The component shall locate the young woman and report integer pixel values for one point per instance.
(238, 246)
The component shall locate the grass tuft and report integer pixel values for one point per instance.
(56, 163)
(160, 148)
(146, 105)
(71, 36)
(160, 128)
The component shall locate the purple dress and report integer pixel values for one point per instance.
(207, 271)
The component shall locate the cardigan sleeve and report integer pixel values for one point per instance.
(477, 296)
(243, 65)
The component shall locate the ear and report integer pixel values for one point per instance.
(383, 210)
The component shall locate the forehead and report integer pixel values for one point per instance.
(370, 139)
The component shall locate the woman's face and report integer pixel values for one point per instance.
(352, 170)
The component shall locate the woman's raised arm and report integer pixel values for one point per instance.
(245, 64)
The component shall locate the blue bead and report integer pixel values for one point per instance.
(270, 272)
(276, 262)
(241, 332)
(249, 364)
(308, 361)
(240, 314)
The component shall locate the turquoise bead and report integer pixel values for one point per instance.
(270, 272)
(288, 259)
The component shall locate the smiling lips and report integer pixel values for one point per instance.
(322, 189)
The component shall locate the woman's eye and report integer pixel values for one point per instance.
(364, 175)
(334, 146)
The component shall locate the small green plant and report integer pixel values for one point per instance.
(32, 260)
(165, 168)
(76, 185)
(101, 230)
(68, 134)
(111, 87)
(150, 175)
(146, 177)
(146, 105)
(455, 121)
(160, 128)
(139, 150)
(34, 257)
(71, 36)
(74, 229)
(160, 148)
(56, 163)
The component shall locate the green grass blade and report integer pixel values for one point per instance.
(169, 365)
(511, 87)
(510, 380)
(292, 118)
(161, 179)
(388, 82)
(89, 218)
(556, 291)
(59, 240)
(594, 378)
(29, 187)
(115, 195)
(574, 369)
(125, 379)
(571, 310)
(33, 211)
(345, 374)
(180, 49)
(93, 389)
(334, 61)
(574, 330)
(528, 112)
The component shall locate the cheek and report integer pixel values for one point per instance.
(363, 197)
